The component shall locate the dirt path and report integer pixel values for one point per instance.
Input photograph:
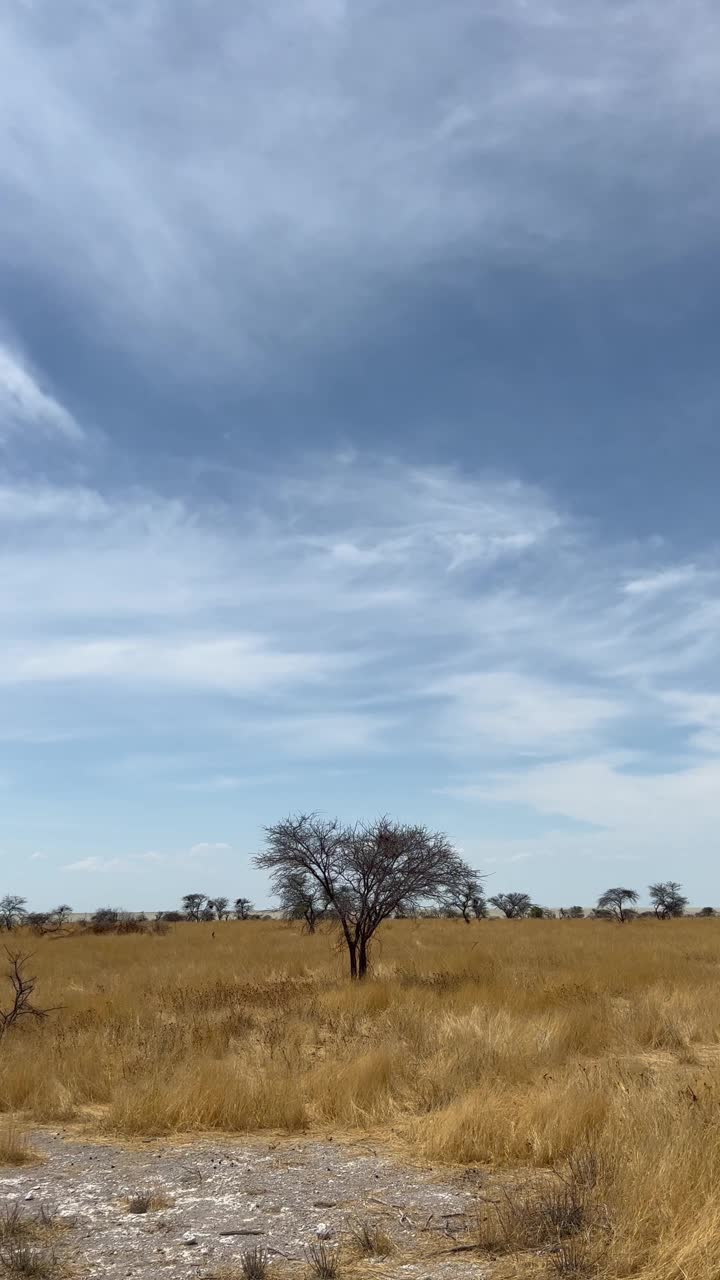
(223, 1198)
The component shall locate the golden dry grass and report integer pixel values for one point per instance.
(14, 1146)
(514, 1044)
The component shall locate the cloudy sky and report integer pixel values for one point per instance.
(358, 437)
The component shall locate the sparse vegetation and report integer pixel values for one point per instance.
(323, 1261)
(370, 1239)
(19, 1259)
(14, 1146)
(531, 1045)
(254, 1264)
(148, 1202)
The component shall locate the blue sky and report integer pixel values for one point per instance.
(358, 437)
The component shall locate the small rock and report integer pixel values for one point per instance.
(323, 1231)
(189, 1238)
(30, 1195)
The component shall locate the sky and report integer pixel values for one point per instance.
(359, 440)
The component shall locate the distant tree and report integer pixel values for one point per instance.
(104, 919)
(572, 913)
(537, 913)
(207, 913)
(60, 916)
(667, 899)
(131, 922)
(706, 911)
(463, 895)
(193, 904)
(513, 905)
(12, 911)
(365, 872)
(243, 907)
(38, 921)
(220, 906)
(301, 899)
(171, 917)
(618, 903)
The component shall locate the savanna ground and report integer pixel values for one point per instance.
(571, 1068)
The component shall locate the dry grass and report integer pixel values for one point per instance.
(323, 1262)
(513, 1044)
(148, 1202)
(370, 1239)
(26, 1245)
(14, 1146)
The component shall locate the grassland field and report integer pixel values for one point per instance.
(521, 1045)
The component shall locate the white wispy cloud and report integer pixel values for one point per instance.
(663, 580)
(93, 864)
(209, 846)
(224, 663)
(359, 608)
(26, 408)
(495, 710)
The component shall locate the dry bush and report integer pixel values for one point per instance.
(254, 1264)
(370, 1239)
(148, 1202)
(323, 1261)
(15, 1228)
(15, 1147)
(571, 1258)
(18, 1228)
(19, 1259)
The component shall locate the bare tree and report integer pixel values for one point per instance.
(464, 895)
(193, 904)
(513, 905)
(221, 907)
(243, 907)
(365, 872)
(572, 913)
(12, 911)
(60, 916)
(667, 899)
(23, 986)
(301, 899)
(618, 902)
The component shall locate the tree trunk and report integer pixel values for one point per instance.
(352, 948)
(363, 959)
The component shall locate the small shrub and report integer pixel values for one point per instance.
(570, 1258)
(370, 1240)
(323, 1262)
(254, 1264)
(147, 1202)
(15, 1148)
(21, 1259)
(540, 1214)
(14, 1228)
